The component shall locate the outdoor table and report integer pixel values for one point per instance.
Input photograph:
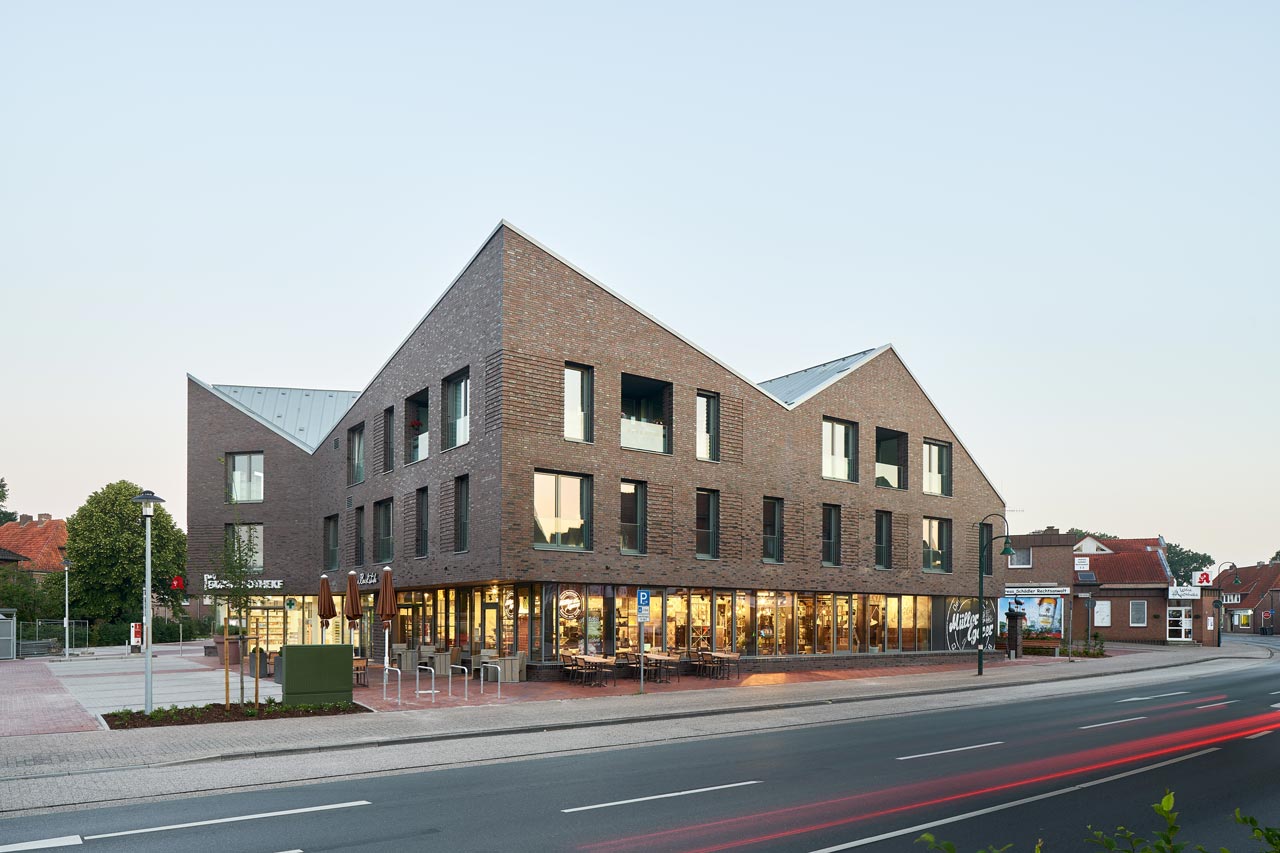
(664, 661)
(596, 662)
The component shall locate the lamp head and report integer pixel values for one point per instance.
(1007, 551)
(148, 499)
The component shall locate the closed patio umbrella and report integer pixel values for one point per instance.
(324, 607)
(351, 607)
(386, 612)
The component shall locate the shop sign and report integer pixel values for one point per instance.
(367, 578)
(1102, 614)
(570, 604)
(1204, 577)
(213, 582)
(962, 624)
(1043, 613)
(1082, 564)
(1033, 591)
(291, 604)
(1184, 593)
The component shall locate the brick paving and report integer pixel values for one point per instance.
(34, 702)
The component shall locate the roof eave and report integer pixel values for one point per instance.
(240, 407)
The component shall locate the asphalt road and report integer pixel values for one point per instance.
(999, 773)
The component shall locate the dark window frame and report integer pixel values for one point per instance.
(359, 543)
(355, 455)
(851, 448)
(422, 518)
(450, 419)
(384, 543)
(641, 521)
(712, 423)
(461, 514)
(711, 533)
(585, 497)
(332, 540)
(586, 381)
(771, 546)
(883, 436)
(884, 539)
(230, 479)
(388, 439)
(945, 457)
(832, 517)
(944, 551)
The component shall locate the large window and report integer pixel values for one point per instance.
(383, 536)
(631, 529)
(417, 426)
(457, 410)
(708, 426)
(577, 402)
(985, 546)
(891, 458)
(421, 541)
(561, 511)
(937, 468)
(772, 531)
(359, 543)
(707, 524)
(461, 513)
(936, 555)
(646, 414)
(831, 535)
(1020, 558)
(388, 433)
(244, 477)
(839, 449)
(331, 543)
(884, 539)
(355, 455)
(1137, 614)
(245, 542)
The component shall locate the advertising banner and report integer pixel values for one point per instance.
(962, 623)
(1043, 612)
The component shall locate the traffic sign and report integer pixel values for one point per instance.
(1266, 614)
(642, 605)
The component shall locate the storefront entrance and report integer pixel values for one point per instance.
(1179, 624)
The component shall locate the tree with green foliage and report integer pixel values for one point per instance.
(237, 578)
(1076, 531)
(31, 598)
(5, 515)
(106, 544)
(1275, 558)
(1184, 562)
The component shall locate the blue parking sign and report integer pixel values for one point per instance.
(642, 603)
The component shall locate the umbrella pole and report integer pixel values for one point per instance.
(386, 658)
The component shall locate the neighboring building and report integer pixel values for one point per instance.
(8, 559)
(1132, 589)
(538, 450)
(41, 542)
(1250, 596)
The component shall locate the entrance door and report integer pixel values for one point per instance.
(1179, 624)
(490, 625)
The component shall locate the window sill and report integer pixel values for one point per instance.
(938, 495)
(563, 548)
(579, 440)
(892, 488)
(1020, 567)
(774, 562)
(706, 557)
(937, 571)
(421, 556)
(463, 551)
(843, 480)
(884, 568)
(644, 450)
(827, 565)
(239, 503)
(415, 461)
(626, 553)
(704, 459)
(455, 447)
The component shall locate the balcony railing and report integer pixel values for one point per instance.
(643, 435)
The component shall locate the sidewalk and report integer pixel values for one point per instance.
(535, 707)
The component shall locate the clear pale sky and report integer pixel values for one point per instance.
(1064, 217)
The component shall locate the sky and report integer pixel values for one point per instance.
(1063, 216)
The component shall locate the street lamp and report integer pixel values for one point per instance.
(1222, 610)
(1007, 551)
(148, 499)
(66, 610)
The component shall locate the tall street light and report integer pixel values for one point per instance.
(66, 610)
(148, 499)
(1007, 551)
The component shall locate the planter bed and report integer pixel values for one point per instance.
(216, 713)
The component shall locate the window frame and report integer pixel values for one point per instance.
(586, 391)
(772, 507)
(332, 543)
(455, 424)
(559, 478)
(944, 541)
(883, 557)
(388, 439)
(642, 515)
(1030, 557)
(1145, 616)
(850, 446)
(941, 450)
(707, 422)
(384, 545)
(832, 518)
(422, 525)
(359, 544)
(986, 546)
(461, 514)
(417, 440)
(255, 530)
(230, 479)
(355, 455)
(712, 531)
(885, 434)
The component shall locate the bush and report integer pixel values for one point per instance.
(162, 631)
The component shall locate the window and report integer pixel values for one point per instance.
(331, 543)
(1137, 614)
(937, 468)
(244, 477)
(417, 426)
(708, 426)
(631, 528)
(461, 513)
(359, 523)
(384, 546)
(244, 541)
(457, 410)
(884, 539)
(839, 450)
(937, 545)
(577, 402)
(985, 545)
(420, 540)
(831, 535)
(561, 511)
(388, 454)
(707, 524)
(1020, 558)
(772, 530)
(891, 458)
(355, 455)
(646, 414)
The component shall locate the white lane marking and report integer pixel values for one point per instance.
(945, 751)
(863, 842)
(1277, 705)
(661, 796)
(1157, 696)
(230, 819)
(1217, 704)
(1274, 693)
(1258, 735)
(1113, 723)
(43, 844)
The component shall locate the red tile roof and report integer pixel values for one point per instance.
(1255, 583)
(1130, 567)
(1130, 545)
(41, 542)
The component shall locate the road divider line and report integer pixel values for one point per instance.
(662, 796)
(1217, 704)
(1258, 735)
(945, 751)
(1113, 723)
(236, 819)
(1274, 693)
(43, 844)
(1157, 696)
(921, 827)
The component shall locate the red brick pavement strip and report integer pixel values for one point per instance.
(34, 702)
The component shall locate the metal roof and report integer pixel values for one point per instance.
(302, 415)
(795, 388)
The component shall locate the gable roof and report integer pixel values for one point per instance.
(1121, 545)
(42, 543)
(794, 388)
(7, 556)
(1255, 583)
(302, 415)
(1131, 568)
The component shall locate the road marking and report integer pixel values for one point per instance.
(1157, 696)
(230, 819)
(911, 830)
(1113, 723)
(1274, 693)
(44, 844)
(945, 751)
(1277, 705)
(1258, 735)
(661, 796)
(1217, 704)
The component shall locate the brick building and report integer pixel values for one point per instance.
(41, 542)
(538, 449)
(1250, 596)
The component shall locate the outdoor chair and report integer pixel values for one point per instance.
(570, 667)
(360, 671)
(731, 659)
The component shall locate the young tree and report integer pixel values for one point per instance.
(5, 515)
(236, 577)
(106, 544)
(1184, 562)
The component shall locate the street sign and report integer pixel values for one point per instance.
(1082, 564)
(1203, 577)
(1266, 614)
(642, 605)
(1030, 591)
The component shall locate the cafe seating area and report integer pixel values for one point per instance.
(658, 667)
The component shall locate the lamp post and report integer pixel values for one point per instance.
(66, 610)
(148, 499)
(1007, 551)
(1217, 605)
(1235, 581)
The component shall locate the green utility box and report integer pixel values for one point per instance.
(316, 674)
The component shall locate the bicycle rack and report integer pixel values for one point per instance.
(485, 666)
(396, 670)
(417, 681)
(466, 680)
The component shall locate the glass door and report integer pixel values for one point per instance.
(1179, 624)
(490, 626)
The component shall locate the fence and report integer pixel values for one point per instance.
(45, 636)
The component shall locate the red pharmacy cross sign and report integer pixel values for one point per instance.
(178, 582)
